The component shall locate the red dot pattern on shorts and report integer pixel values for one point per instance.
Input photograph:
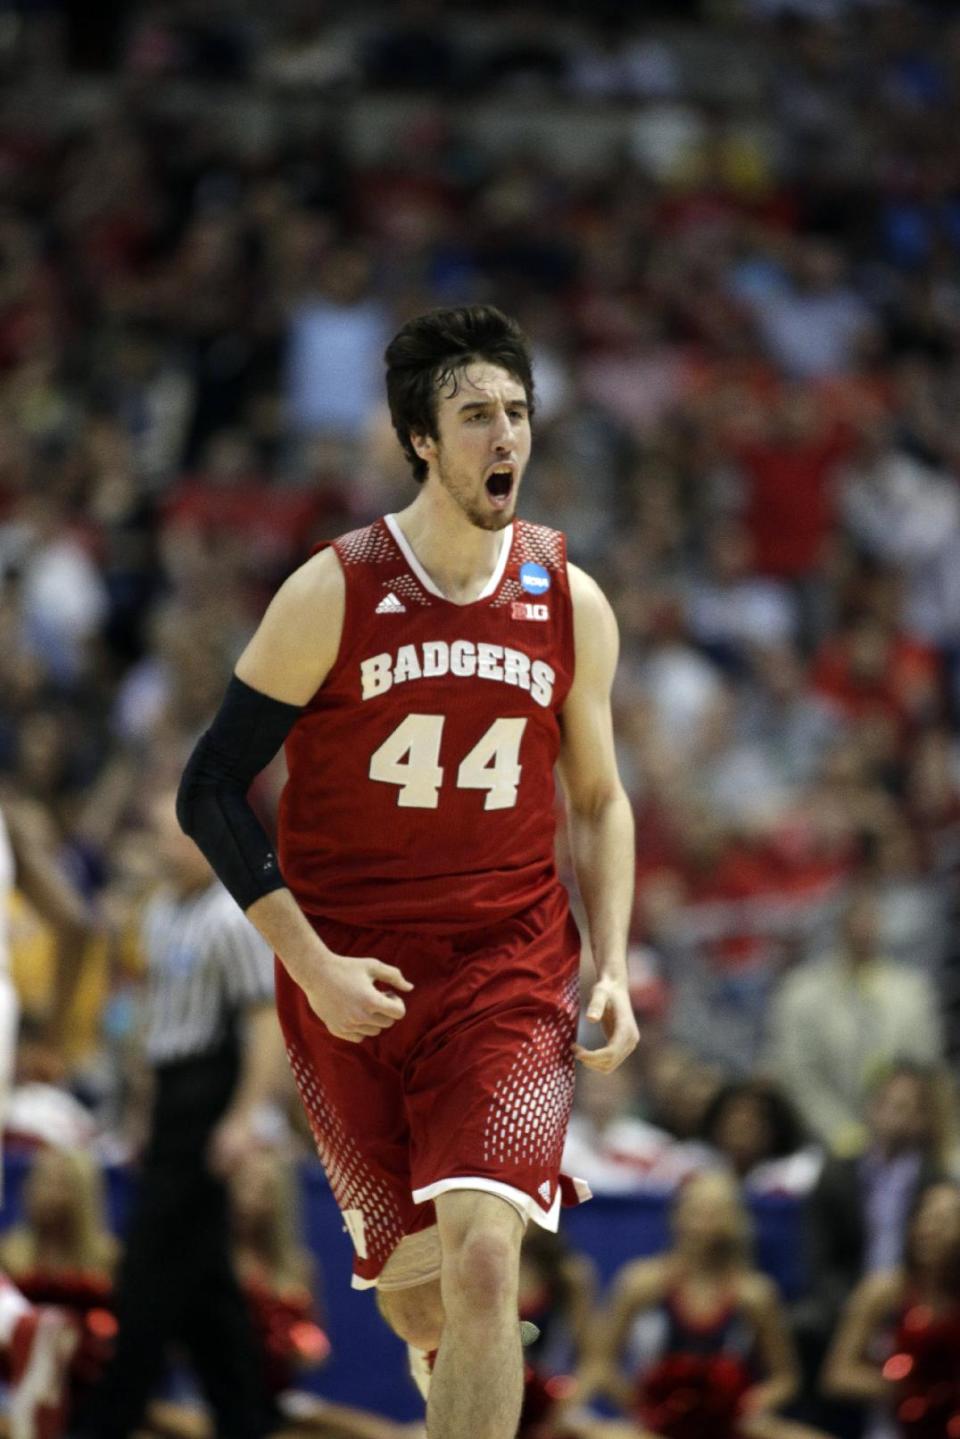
(353, 1184)
(528, 1114)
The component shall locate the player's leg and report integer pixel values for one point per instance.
(415, 1314)
(477, 1384)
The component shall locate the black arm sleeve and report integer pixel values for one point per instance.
(212, 805)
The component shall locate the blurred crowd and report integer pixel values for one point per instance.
(732, 232)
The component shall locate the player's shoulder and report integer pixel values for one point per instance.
(315, 587)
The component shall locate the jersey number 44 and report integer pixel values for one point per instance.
(410, 759)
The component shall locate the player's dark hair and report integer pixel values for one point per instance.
(427, 355)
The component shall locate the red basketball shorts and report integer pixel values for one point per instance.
(471, 1089)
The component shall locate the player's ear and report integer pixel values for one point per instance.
(425, 446)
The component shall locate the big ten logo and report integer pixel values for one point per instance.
(527, 610)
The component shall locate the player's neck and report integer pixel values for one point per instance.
(458, 556)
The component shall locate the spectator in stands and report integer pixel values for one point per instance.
(905, 511)
(857, 1213)
(715, 1343)
(61, 1252)
(63, 1231)
(677, 1088)
(836, 1021)
(731, 610)
(783, 719)
(336, 340)
(558, 1289)
(275, 1269)
(915, 1376)
(616, 1151)
(815, 323)
(754, 1129)
(787, 456)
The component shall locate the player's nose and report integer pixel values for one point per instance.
(502, 432)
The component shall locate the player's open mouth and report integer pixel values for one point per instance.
(499, 485)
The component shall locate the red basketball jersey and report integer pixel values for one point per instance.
(421, 791)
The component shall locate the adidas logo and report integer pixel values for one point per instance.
(545, 1190)
(390, 605)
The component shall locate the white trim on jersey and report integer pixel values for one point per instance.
(407, 551)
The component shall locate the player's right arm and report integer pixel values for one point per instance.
(283, 666)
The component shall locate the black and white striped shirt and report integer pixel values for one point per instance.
(205, 964)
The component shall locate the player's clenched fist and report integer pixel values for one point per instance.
(356, 998)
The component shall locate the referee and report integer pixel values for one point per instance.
(214, 1046)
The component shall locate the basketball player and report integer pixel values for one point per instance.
(39, 1342)
(427, 673)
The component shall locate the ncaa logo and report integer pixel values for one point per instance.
(534, 579)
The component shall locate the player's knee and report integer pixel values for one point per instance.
(415, 1314)
(481, 1271)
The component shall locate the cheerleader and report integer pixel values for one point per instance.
(708, 1354)
(898, 1343)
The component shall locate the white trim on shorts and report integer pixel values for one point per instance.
(526, 1207)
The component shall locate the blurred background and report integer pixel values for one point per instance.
(732, 231)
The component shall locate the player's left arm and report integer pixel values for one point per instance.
(600, 819)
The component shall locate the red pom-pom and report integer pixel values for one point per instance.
(926, 1370)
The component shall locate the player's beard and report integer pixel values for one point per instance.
(462, 494)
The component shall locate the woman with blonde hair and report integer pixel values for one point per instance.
(708, 1352)
(267, 1228)
(64, 1227)
(62, 1253)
